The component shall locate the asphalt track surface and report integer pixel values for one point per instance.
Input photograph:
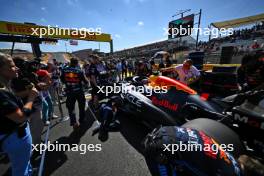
(120, 155)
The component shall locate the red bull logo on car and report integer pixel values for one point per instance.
(164, 103)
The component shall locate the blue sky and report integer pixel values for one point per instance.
(130, 22)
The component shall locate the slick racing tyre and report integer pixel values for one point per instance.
(218, 131)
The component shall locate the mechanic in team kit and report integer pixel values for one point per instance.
(73, 77)
(251, 72)
(98, 76)
(187, 73)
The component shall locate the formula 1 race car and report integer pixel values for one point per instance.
(242, 114)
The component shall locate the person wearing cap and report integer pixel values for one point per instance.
(73, 77)
(187, 73)
(47, 104)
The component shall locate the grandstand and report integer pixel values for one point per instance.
(248, 31)
(149, 49)
(241, 41)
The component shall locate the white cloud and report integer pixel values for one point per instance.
(140, 23)
(117, 36)
(43, 8)
(43, 20)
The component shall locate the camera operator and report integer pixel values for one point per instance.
(27, 78)
(15, 135)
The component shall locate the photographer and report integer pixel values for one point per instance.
(27, 78)
(15, 136)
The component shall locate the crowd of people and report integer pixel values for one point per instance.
(30, 90)
(27, 97)
(241, 34)
(121, 68)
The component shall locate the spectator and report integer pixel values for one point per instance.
(154, 67)
(15, 135)
(124, 69)
(248, 49)
(86, 67)
(168, 61)
(119, 70)
(161, 65)
(112, 72)
(241, 49)
(55, 74)
(142, 69)
(130, 68)
(27, 77)
(47, 104)
(255, 45)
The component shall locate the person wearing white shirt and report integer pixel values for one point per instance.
(187, 73)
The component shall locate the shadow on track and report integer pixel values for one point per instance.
(133, 132)
(55, 159)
